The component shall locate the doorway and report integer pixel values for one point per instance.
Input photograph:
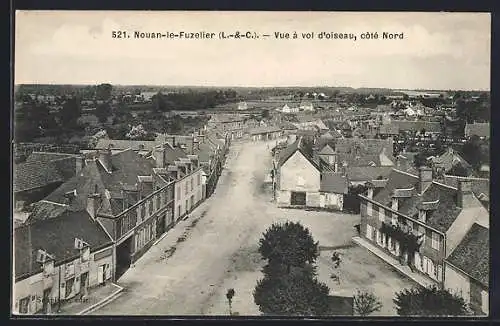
(298, 198)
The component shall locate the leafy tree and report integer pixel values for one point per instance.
(366, 302)
(471, 152)
(429, 301)
(296, 294)
(289, 244)
(103, 111)
(70, 112)
(103, 92)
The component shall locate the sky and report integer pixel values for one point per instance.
(438, 51)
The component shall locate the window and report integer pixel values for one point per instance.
(158, 201)
(300, 181)
(139, 217)
(143, 208)
(381, 215)
(24, 305)
(439, 273)
(378, 237)
(369, 209)
(192, 183)
(435, 241)
(186, 192)
(369, 231)
(150, 203)
(86, 254)
(69, 287)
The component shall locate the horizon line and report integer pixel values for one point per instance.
(249, 86)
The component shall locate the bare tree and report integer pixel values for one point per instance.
(229, 295)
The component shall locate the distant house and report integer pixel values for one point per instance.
(306, 106)
(265, 133)
(242, 106)
(117, 145)
(467, 269)
(287, 109)
(417, 126)
(437, 217)
(388, 130)
(481, 130)
(448, 161)
(302, 181)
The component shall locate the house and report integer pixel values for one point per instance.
(467, 269)
(242, 106)
(121, 193)
(306, 106)
(234, 126)
(480, 187)
(481, 130)
(142, 147)
(187, 173)
(265, 133)
(287, 109)
(333, 187)
(449, 161)
(42, 173)
(301, 180)
(419, 221)
(388, 130)
(428, 127)
(59, 258)
(316, 124)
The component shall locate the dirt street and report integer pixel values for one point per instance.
(220, 251)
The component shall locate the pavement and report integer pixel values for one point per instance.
(220, 251)
(96, 298)
(403, 269)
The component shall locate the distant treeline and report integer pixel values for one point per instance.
(193, 100)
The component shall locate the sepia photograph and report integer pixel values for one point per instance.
(224, 163)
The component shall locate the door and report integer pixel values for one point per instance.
(84, 279)
(298, 198)
(100, 275)
(46, 301)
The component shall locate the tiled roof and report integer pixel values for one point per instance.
(57, 237)
(449, 159)
(417, 125)
(125, 144)
(478, 129)
(472, 254)
(366, 146)
(301, 145)
(264, 130)
(367, 173)
(31, 175)
(47, 156)
(173, 154)
(334, 183)
(479, 185)
(441, 218)
(126, 167)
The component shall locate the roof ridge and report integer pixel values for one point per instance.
(472, 178)
(406, 173)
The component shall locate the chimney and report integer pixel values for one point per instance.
(370, 187)
(93, 201)
(105, 159)
(79, 164)
(464, 195)
(395, 203)
(425, 178)
(159, 154)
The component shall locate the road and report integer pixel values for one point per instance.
(221, 250)
(185, 283)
